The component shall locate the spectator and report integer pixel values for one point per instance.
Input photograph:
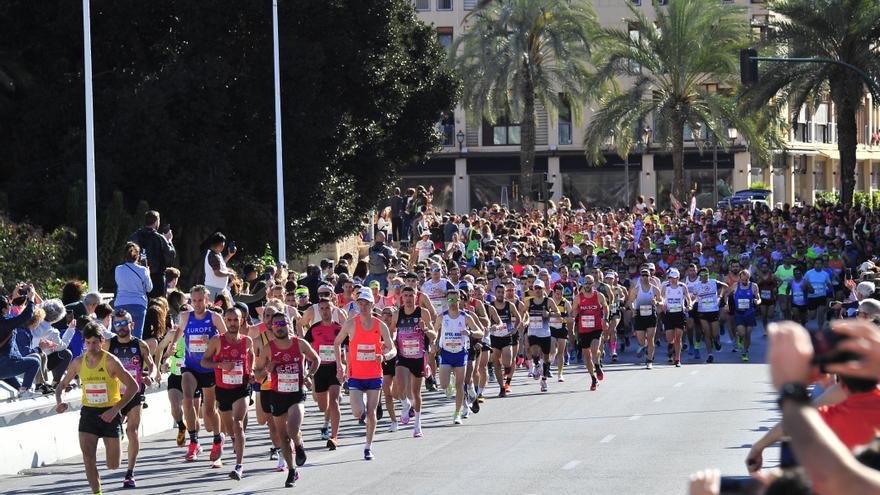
(133, 284)
(312, 281)
(172, 276)
(397, 204)
(56, 362)
(12, 363)
(379, 261)
(217, 274)
(159, 250)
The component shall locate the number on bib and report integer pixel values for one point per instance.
(536, 322)
(452, 342)
(411, 348)
(556, 321)
(588, 321)
(96, 393)
(327, 353)
(765, 294)
(235, 376)
(646, 310)
(198, 344)
(366, 352)
(288, 382)
(743, 304)
(673, 307)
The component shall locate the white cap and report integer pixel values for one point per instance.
(865, 289)
(651, 266)
(866, 266)
(539, 283)
(674, 273)
(366, 294)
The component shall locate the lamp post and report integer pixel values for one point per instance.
(91, 198)
(460, 138)
(279, 162)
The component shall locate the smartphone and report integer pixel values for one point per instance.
(825, 347)
(231, 246)
(740, 485)
(69, 317)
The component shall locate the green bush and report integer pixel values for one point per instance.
(759, 185)
(864, 199)
(828, 197)
(29, 254)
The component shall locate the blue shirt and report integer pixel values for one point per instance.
(132, 285)
(819, 281)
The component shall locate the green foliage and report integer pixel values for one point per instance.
(268, 259)
(828, 197)
(759, 185)
(184, 116)
(866, 199)
(29, 254)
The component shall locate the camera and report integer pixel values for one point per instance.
(746, 485)
(825, 347)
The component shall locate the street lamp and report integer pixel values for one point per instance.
(460, 138)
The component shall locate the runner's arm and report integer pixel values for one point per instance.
(476, 332)
(148, 358)
(388, 349)
(184, 319)
(208, 356)
(69, 375)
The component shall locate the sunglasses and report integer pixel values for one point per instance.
(122, 323)
(452, 299)
(302, 296)
(280, 324)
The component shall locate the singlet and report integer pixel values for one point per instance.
(674, 299)
(504, 316)
(99, 389)
(692, 286)
(452, 333)
(538, 325)
(744, 298)
(818, 281)
(237, 354)
(129, 354)
(410, 337)
(645, 301)
(197, 333)
(176, 358)
(558, 322)
(321, 337)
(568, 289)
(707, 296)
(287, 377)
(363, 348)
(785, 276)
(589, 313)
(265, 338)
(766, 287)
(798, 295)
(316, 315)
(616, 298)
(436, 292)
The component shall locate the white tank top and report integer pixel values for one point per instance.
(436, 292)
(334, 317)
(674, 299)
(452, 334)
(212, 280)
(707, 296)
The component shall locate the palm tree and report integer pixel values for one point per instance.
(843, 30)
(670, 62)
(516, 53)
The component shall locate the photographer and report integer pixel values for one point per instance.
(12, 363)
(159, 250)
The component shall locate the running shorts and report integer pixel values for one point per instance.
(90, 422)
(559, 333)
(326, 378)
(585, 340)
(708, 316)
(542, 342)
(453, 359)
(501, 342)
(416, 366)
(282, 402)
(364, 384)
(203, 380)
(643, 323)
(813, 303)
(227, 396)
(388, 368)
(673, 320)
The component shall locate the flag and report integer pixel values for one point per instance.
(676, 205)
(693, 207)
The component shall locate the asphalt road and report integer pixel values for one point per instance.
(642, 432)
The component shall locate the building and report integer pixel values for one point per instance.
(478, 166)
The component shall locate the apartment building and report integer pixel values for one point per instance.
(478, 165)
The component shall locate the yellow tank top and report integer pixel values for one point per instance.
(99, 389)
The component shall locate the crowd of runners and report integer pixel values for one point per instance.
(459, 305)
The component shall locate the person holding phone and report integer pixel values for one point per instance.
(217, 274)
(133, 287)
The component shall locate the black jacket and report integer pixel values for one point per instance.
(160, 252)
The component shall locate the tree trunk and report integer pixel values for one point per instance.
(678, 185)
(847, 138)
(527, 145)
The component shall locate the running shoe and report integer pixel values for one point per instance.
(368, 454)
(181, 437)
(507, 387)
(717, 345)
(325, 433)
(710, 359)
(379, 411)
(363, 419)
(301, 457)
(332, 443)
(405, 413)
(480, 398)
(532, 375)
(678, 363)
(217, 449)
(502, 393)
(471, 394)
(640, 351)
(393, 426)
(292, 476)
(129, 482)
(282, 465)
(475, 406)
(544, 385)
(599, 373)
(235, 474)
(614, 358)
(595, 384)
(430, 384)
(217, 464)
(456, 419)
(649, 365)
(561, 378)
(745, 357)
(547, 373)
(669, 358)
(417, 432)
(193, 452)
(273, 453)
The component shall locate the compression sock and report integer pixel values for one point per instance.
(614, 346)
(194, 436)
(218, 438)
(180, 425)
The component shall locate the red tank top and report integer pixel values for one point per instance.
(321, 338)
(589, 313)
(236, 354)
(287, 377)
(363, 348)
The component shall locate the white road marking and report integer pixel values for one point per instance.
(571, 465)
(678, 385)
(607, 439)
(659, 399)
(636, 417)
(695, 372)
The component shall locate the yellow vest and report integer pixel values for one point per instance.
(99, 389)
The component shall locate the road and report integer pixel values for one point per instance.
(642, 432)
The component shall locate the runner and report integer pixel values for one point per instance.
(285, 361)
(590, 312)
(321, 336)
(817, 300)
(435, 290)
(674, 299)
(412, 334)
(175, 390)
(198, 327)
(694, 327)
(134, 354)
(540, 310)
(708, 295)
(502, 312)
(798, 290)
(476, 310)
(370, 344)
(100, 375)
(456, 329)
(388, 372)
(643, 300)
(613, 297)
(784, 273)
(746, 298)
(231, 356)
(261, 335)
(559, 328)
(767, 284)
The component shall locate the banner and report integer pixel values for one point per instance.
(637, 234)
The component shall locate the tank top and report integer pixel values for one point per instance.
(197, 333)
(436, 292)
(786, 276)
(558, 322)
(237, 354)
(707, 296)
(287, 377)
(744, 298)
(321, 337)
(589, 313)
(410, 337)
(674, 299)
(265, 339)
(364, 346)
(176, 358)
(645, 301)
(538, 325)
(692, 286)
(766, 287)
(616, 298)
(452, 333)
(129, 354)
(504, 316)
(798, 296)
(99, 389)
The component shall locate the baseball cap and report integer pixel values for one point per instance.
(435, 268)
(651, 266)
(302, 291)
(865, 289)
(465, 286)
(374, 284)
(425, 233)
(539, 283)
(674, 273)
(365, 294)
(610, 275)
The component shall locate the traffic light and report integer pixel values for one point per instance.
(748, 66)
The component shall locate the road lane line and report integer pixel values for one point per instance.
(659, 399)
(571, 465)
(695, 372)
(635, 417)
(607, 439)
(678, 385)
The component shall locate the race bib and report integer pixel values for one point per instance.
(411, 348)
(96, 393)
(588, 321)
(536, 322)
(366, 352)
(646, 310)
(614, 307)
(707, 301)
(453, 343)
(327, 353)
(288, 382)
(765, 294)
(556, 321)
(673, 307)
(235, 376)
(198, 344)
(743, 304)
(503, 331)
(438, 305)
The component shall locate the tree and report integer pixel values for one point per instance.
(519, 52)
(842, 30)
(669, 63)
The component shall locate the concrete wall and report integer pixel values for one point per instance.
(332, 251)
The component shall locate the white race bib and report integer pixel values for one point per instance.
(588, 321)
(673, 307)
(646, 310)
(198, 344)
(288, 382)
(96, 393)
(438, 305)
(452, 342)
(743, 304)
(366, 352)
(707, 302)
(765, 294)
(501, 331)
(410, 348)
(556, 321)
(536, 323)
(235, 376)
(327, 353)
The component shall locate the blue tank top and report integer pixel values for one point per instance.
(196, 335)
(797, 293)
(744, 299)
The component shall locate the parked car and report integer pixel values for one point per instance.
(746, 198)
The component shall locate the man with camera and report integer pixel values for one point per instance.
(157, 247)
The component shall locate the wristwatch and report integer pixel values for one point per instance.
(796, 392)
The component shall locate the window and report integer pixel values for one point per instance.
(447, 129)
(875, 175)
(822, 134)
(565, 124)
(501, 134)
(423, 4)
(444, 36)
(819, 175)
(636, 2)
(444, 4)
(470, 4)
(634, 37)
